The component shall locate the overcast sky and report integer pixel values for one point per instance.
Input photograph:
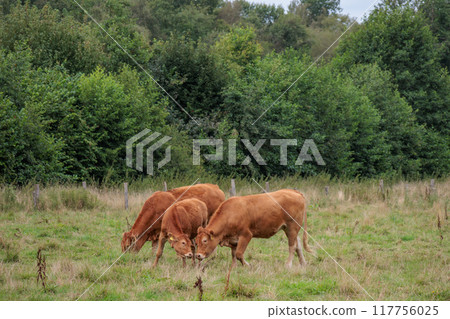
(354, 8)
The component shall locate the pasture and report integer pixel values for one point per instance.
(395, 243)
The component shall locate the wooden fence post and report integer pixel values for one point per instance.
(381, 186)
(233, 188)
(125, 188)
(326, 190)
(84, 184)
(36, 196)
(165, 186)
(267, 187)
(432, 187)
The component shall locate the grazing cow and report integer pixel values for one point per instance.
(148, 221)
(179, 226)
(239, 219)
(158, 203)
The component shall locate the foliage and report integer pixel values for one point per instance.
(189, 72)
(239, 47)
(70, 96)
(438, 14)
(288, 32)
(313, 10)
(53, 39)
(400, 41)
(70, 127)
(402, 133)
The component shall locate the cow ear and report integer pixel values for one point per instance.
(200, 229)
(211, 234)
(171, 237)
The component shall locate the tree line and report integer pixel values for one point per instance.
(376, 104)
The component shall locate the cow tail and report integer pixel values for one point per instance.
(305, 234)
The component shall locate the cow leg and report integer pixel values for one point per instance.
(233, 255)
(154, 245)
(243, 241)
(161, 243)
(292, 241)
(299, 251)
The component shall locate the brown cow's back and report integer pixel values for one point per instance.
(210, 194)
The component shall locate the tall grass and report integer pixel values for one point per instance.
(74, 197)
(50, 198)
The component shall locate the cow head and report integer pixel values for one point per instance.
(206, 242)
(181, 244)
(129, 239)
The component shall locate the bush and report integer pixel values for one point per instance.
(8, 199)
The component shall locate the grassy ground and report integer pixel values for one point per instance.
(390, 243)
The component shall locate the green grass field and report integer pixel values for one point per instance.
(390, 243)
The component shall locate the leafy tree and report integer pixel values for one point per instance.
(438, 14)
(27, 152)
(190, 74)
(315, 8)
(321, 106)
(324, 32)
(288, 32)
(400, 41)
(112, 117)
(53, 39)
(193, 22)
(239, 46)
(161, 18)
(16, 74)
(434, 154)
(230, 12)
(260, 15)
(402, 133)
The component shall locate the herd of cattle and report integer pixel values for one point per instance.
(196, 219)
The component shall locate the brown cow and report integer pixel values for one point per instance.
(158, 203)
(239, 219)
(179, 226)
(148, 221)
